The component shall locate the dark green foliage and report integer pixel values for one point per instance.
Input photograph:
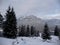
(1, 20)
(10, 28)
(45, 34)
(27, 31)
(32, 30)
(56, 31)
(22, 31)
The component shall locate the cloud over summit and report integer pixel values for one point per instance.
(35, 7)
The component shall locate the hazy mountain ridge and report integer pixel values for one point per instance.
(38, 22)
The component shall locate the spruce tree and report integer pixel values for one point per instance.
(56, 31)
(45, 34)
(28, 31)
(1, 20)
(22, 32)
(10, 28)
(32, 30)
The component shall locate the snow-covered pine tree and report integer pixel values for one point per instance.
(45, 34)
(10, 28)
(56, 31)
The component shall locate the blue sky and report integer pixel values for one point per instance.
(40, 8)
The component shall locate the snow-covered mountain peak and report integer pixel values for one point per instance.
(30, 17)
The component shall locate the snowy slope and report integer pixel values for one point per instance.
(29, 41)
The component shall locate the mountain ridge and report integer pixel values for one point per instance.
(38, 22)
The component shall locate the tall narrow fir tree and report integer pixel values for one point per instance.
(10, 28)
(27, 31)
(1, 20)
(56, 31)
(32, 30)
(45, 34)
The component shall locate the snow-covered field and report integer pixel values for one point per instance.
(29, 41)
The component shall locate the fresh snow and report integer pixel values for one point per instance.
(29, 41)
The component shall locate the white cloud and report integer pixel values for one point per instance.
(29, 7)
(53, 16)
